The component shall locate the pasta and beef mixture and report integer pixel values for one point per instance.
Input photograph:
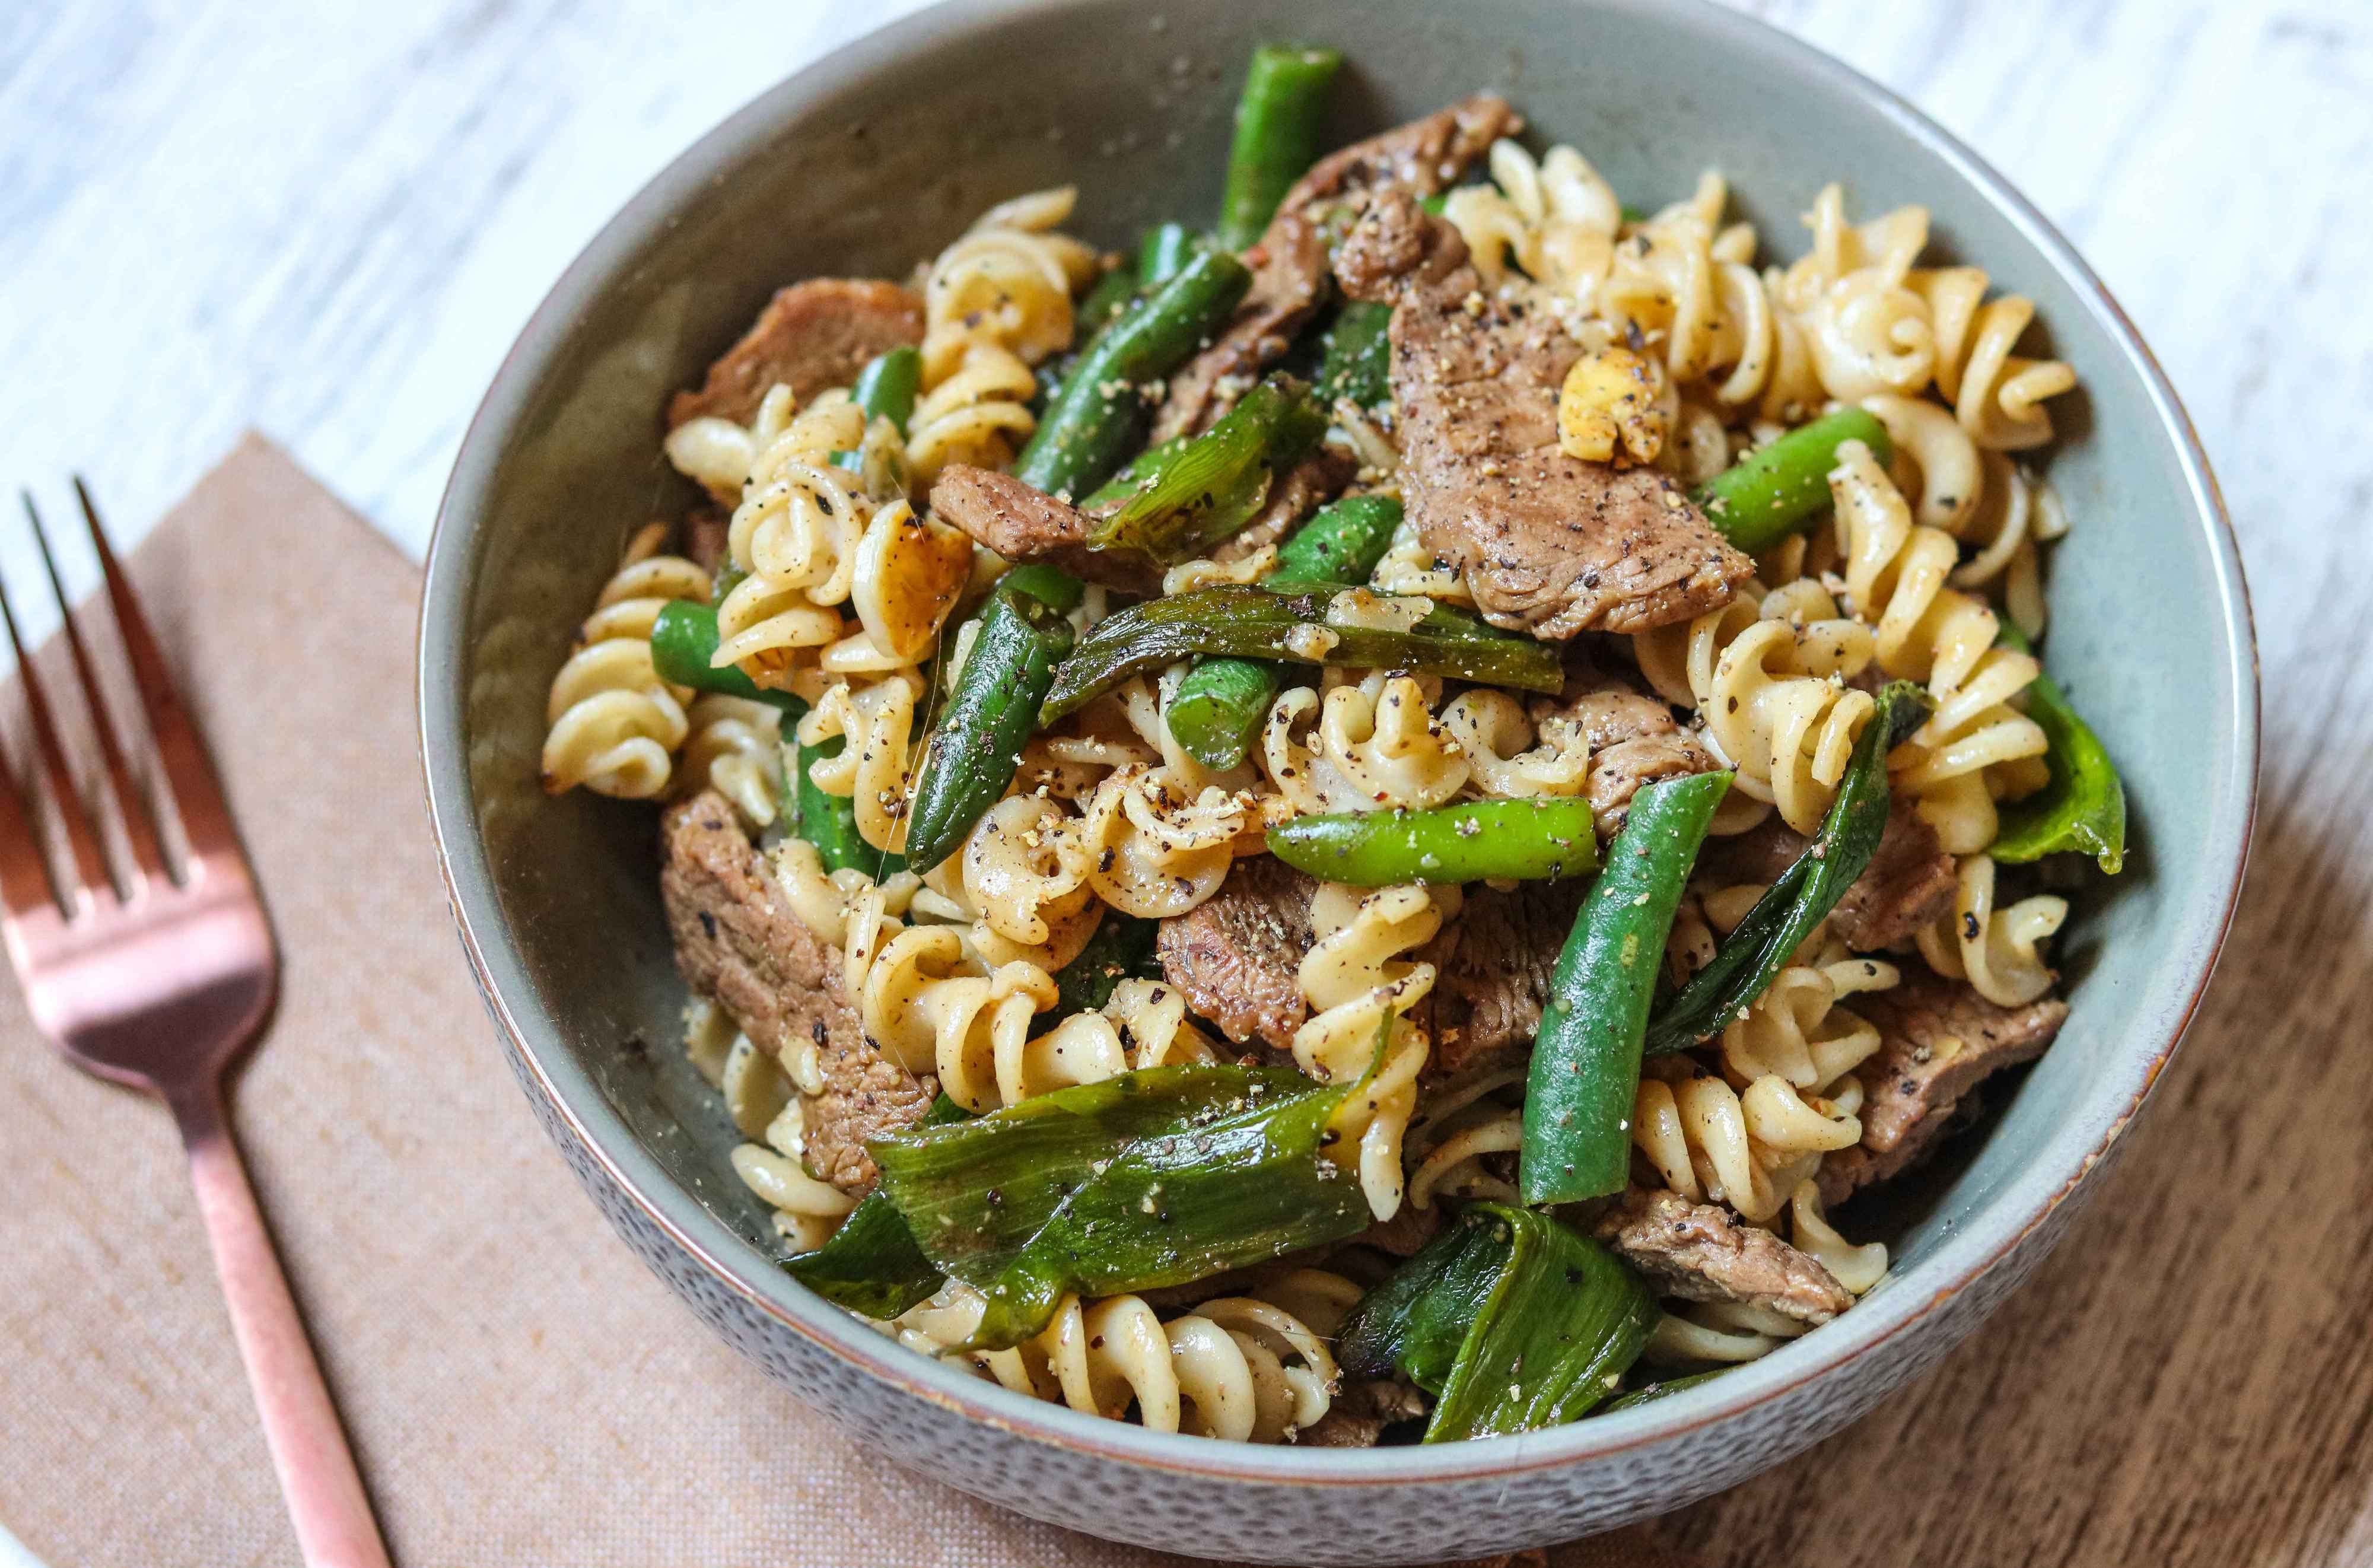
(1353, 827)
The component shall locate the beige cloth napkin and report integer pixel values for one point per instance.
(519, 1388)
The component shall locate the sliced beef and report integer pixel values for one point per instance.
(1634, 738)
(1702, 1252)
(1939, 1038)
(1907, 886)
(1237, 954)
(1402, 1236)
(1290, 263)
(811, 337)
(1359, 1411)
(1550, 544)
(705, 534)
(1023, 524)
(1298, 491)
(1492, 962)
(739, 945)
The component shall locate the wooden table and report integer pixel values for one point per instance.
(329, 221)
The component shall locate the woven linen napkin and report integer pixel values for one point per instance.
(518, 1389)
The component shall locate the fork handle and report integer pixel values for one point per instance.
(326, 1503)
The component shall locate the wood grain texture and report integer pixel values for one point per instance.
(329, 220)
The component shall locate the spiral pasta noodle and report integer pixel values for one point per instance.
(1361, 984)
(1373, 744)
(978, 414)
(1768, 675)
(612, 725)
(736, 748)
(1924, 629)
(1748, 1148)
(1248, 1368)
(875, 723)
(1555, 219)
(1999, 951)
(1007, 282)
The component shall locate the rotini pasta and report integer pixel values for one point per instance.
(1360, 985)
(1243, 1369)
(1923, 629)
(1006, 283)
(613, 724)
(1998, 950)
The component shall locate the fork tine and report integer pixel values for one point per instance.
(90, 866)
(138, 830)
(206, 820)
(25, 881)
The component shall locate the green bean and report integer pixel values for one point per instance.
(887, 387)
(1289, 621)
(1113, 294)
(1213, 484)
(978, 743)
(1341, 543)
(1279, 119)
(1586, 1067)
(1357, 355)
(1805, 893)
(1092, 422)
(2082, 810)
(1772, 491)
(1521, 840)
(1164, 251)
(683, 641)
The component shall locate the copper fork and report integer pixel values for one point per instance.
(157, 972)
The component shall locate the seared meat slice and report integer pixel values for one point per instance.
(1237, 954)
(1634, 740)
(1492, 962)
(705, 539)
(1701, 1252)
(1290, 263)
(1907, 887)
(738, 943)
(1550, 544)
(1298, 491)
(811, 337)
(1359, 1413)
(1939, 1039)
(1023, 524)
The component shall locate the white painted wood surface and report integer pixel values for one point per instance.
(327, 218)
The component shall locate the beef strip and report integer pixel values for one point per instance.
(1702, 1252)
(705, 534)
(1023, 524)
(1237, 953)
(1939, 1038)
(1492, 962)
(1634, 738)
(738, 943)
(1550, 544)
(1298, 491)
(811, 337)
(1907, 887)
(1359, 1413)
(1290, 263)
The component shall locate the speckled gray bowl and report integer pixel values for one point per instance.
(877, 155)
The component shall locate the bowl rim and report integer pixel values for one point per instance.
(2028, 1201)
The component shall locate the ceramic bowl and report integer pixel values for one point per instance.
(879, 155)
